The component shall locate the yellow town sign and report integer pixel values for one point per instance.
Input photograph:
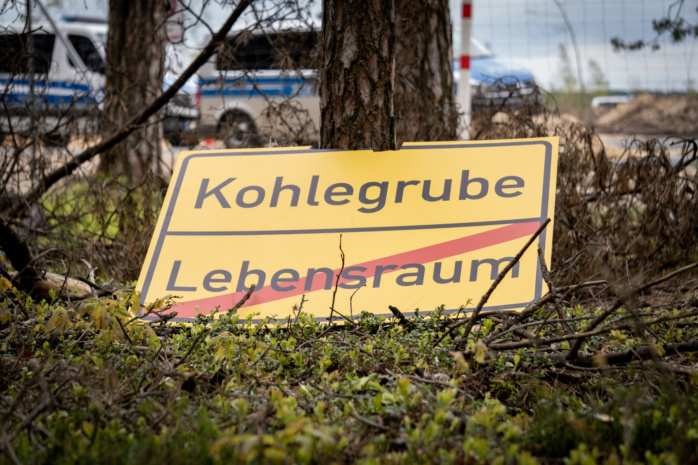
(431, 224)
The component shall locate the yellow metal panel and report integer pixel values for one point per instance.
(428, 225)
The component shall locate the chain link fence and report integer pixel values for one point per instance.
(567, 43)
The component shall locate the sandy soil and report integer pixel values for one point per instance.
(647, 114)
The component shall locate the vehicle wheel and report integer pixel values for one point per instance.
(237, 130)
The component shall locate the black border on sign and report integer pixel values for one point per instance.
(180, 178)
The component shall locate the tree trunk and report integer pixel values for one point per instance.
(134, 73)
(424, 96)
(357, 75)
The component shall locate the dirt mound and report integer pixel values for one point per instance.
(675, 115)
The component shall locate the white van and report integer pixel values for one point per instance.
(67, 96)
(262, 83)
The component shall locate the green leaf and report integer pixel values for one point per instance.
(479, 352)
(378, 401)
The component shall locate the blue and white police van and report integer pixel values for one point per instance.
(258, 74)
(262, 82)
(53, 92)
(43, 89)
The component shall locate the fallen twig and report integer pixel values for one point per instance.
(369, 422)
(401, 318)
(163, 318)
(620, 358)
(336, 284)
(243, 300)
(551, 290)
(534, 306)
(584, 335)
(191, 349)
(574, 350)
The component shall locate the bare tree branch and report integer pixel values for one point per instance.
(574, 350)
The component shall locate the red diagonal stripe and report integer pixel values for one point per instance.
(423, 255)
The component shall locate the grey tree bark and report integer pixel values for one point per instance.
(357, 75)
(425, 107)
(134, 73)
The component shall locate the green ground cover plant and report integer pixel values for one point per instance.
(88, 383)
(602, 369)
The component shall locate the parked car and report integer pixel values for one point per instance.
(495, 83)
(239, 85)
(610, 101)
(68, 96)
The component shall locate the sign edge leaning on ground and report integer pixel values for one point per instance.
(161, 268)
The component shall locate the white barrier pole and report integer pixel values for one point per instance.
(464, 82)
